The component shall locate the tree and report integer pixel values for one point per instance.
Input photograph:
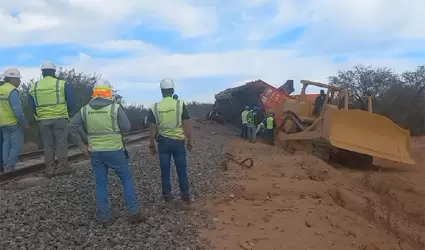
(399, 97)
(81, 82)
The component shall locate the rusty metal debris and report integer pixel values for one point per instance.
(247, 163)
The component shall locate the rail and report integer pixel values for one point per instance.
(39, 153)
(39, 166)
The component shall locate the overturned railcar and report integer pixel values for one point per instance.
(231, 102)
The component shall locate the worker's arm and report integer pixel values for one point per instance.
(77, 128)
(16, 105)
(70, 99)
(274, 123)
(123, 121)
(187, 124)
(31, 103)
(152, 128)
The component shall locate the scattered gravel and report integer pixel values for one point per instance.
(62, 213)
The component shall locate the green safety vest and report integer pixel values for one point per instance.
(244, 116)
(7, 116)
(168, 116)
(269, 122)
(103, 131)
(250, 117)
(49, 97)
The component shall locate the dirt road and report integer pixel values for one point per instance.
(299, 202)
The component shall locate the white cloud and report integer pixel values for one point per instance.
(332, 26)
(97, 20)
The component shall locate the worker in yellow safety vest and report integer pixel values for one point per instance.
(12, 119)
(53, 103)
(244, 130)
(270, 128)
(170, 120)
(103, 121)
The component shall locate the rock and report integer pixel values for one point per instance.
(232, 196)
(31, 182)
(244, 245)
(60, 213)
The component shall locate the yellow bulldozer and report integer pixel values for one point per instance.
(339, 131)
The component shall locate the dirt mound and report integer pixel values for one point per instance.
(300, 202)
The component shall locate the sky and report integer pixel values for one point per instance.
(207, 46)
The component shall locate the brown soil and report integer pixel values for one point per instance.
(299, 202)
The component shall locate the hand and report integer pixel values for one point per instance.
(189, 146)
(152, 148)
(85, 149)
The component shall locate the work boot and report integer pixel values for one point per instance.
(136, 218)
(186, 203)
(108, 223)
(168, 202)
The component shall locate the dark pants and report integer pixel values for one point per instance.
(40, 145)
(244, 131)
(270, 136)
(166, 148)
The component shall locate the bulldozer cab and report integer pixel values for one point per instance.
(305, 104)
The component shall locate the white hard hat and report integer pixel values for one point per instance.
(12, 73)
(102, 83)
(1, 78)
(167, 83)
(48, 65)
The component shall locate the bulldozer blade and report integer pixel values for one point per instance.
(370, 134)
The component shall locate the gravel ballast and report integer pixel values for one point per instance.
(61, 214)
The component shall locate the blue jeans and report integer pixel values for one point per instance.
(252, 132)
(166, 148)
(13, 142)
(101, 161)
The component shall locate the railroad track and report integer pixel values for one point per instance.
(39, 153)
(33, 162)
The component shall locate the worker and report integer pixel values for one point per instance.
(270, 128)
(1, 134)
(175, 97)
(244, 131)
(103, 122)
(251, 124)
(318, 103)
(170, 119)
(12, 119)
(53, 103)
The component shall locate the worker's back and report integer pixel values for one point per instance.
(168, 114)
(100, 118)
(49, 97)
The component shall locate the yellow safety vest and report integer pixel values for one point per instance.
(168, 116)
(244, 116)
(103, 132)
(7, 117)
(49, 97)
(250, 117)
(269, 122)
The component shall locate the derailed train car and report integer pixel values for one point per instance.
(338, 131)
(231, 102)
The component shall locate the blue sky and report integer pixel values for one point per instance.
(209, 45)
